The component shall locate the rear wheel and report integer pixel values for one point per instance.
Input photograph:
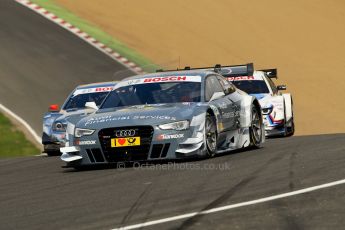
(255, 129)
(211, 135)
(290, 128)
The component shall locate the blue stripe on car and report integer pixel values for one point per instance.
(259, 95)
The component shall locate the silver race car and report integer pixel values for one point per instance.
(54, 123)
(166, 115)
(277, 107)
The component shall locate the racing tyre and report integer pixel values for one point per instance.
(255, 129)
(291, 129)
(211, 135)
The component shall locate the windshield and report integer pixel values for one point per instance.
(78, 101)
(252, 87)
(153, 93)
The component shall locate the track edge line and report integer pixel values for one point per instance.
(232, 206)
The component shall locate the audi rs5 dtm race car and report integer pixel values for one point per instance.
(277, 108)
(166, 115)
(54, 123)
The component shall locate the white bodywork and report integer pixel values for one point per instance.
(277, 107)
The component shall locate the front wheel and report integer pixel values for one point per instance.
(211, 135)
(255, 129)
(291, 129)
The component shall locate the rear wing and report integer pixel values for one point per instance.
(271, 73)
(226, 71)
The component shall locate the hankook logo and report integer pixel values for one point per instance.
(90, 142)
(125, 133)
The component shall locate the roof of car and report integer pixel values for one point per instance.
(202, 73)
(259, 74)
(97, 84)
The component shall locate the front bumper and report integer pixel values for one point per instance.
(52, 147)
(156, 144)
(53, 142)
(70, 154)
(276, 131)
(273, 127)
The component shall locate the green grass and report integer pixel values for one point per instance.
(98, 34)
(13, 142)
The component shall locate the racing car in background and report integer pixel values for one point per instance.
(54, 122)
(166, 115)
(277, 107)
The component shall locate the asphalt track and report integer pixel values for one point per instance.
(40, 63)
(37, 192)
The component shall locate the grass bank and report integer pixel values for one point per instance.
(13, 142)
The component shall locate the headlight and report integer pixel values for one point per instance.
(267, 109)
(178, 125)
(78, 132)
(58, 126)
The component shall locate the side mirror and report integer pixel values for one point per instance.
(91, 105)
(230, 89)
(54, 108)
(217, 95)
(281, 87)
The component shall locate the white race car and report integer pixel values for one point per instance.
(277, 107)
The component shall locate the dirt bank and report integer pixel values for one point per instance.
(303, 38)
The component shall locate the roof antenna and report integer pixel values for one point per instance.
(179, 62)
(217, 68)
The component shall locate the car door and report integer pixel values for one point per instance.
(235, 106)
(227, 110)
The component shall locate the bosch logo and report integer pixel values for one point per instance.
(125, 133)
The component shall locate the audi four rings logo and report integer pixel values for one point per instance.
(125, 133)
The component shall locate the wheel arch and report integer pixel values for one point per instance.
(288, 106)
(210, 111)
(214, 114)
(258, 107)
